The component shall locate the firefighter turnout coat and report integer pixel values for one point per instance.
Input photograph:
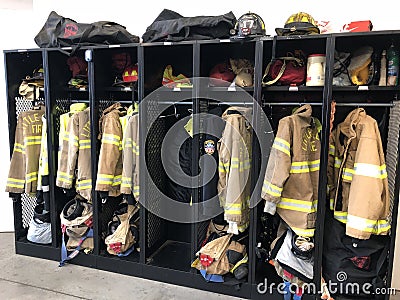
(76, 157)
(235, 151)
(24, 166)
(130, 154)
(64, 119)
(109, 172)
(357, 177)
(290, 185)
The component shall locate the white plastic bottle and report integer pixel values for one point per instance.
(382, 77)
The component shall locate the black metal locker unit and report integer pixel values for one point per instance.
(168, 246)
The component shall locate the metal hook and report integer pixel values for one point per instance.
(175, 114)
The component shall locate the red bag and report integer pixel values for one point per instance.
(288, 70)
(357, 26)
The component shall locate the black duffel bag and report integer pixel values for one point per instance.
(354, 268)
(64, 32)
(170, 26)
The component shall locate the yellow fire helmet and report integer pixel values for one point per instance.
(300, 23)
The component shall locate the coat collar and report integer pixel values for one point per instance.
(350, 123)
(304, 113)
(244, 111)
(115, 106)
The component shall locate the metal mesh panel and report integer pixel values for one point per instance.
(61, 107)
(103, 104)
(107, 211)
(156, 133)
(108, 208)
(28, 203)
(201, 233)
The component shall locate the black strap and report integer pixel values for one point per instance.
(78, 209)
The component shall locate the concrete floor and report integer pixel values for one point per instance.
(25, 277)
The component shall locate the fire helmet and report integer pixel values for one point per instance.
(248, 25)
(300, 23)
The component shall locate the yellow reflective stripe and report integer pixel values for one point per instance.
(109, 179)
(136, 190)
(37, 142)
(282, 141)
(18, 186)
(303, 232)
(63, 174)
(74, 138)
(341, 216)
(338, 162)
(66, 136)
(222, 167)
(16, 180)
(370, 170)
(233, 212)
(31, 176)
(126, 182)
(19, 148)
(281, 145)
(33, 138)
(105, 179)
(84, 144)
(304, 166)
(331, 203)
(243, 227)
(117, 180)
(271, 189)
(111, 139)
(128, 142)
(84, 184)
(367, 225)
(16, 183)
(100, 181)
(106, 176)
(59, 178)
(298, 205)
(241, 165)
(347, 174)
(233, 208)
(331, 149)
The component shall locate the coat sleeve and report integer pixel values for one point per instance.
(69, 154)
(278, 167)
(127, 159)
(331, 171)
(136, 158)
(110, 152)
(369, 196)
(234, 171)
(16, 175)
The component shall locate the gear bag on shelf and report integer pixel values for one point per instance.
(59, 31)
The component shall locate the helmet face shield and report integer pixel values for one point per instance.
(249, 24)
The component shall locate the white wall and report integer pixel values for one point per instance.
(21, 20)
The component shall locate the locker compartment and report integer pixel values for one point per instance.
(168, 231)
(115, 80)
(19, 65)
